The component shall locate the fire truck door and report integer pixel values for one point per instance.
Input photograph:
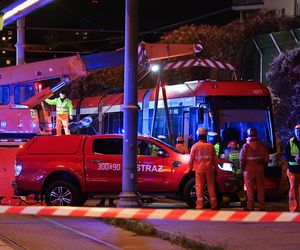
(153, 170)
(104, 165)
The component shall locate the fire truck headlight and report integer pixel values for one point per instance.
(18, 168)
(226, 166)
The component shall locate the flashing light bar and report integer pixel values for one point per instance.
(20, 9)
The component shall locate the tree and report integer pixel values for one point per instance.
(284, 79)
(228, 43)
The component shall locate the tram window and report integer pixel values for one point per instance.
(4, 95)
(112, 146)
(113, 123)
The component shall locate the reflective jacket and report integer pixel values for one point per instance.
(291, 150)
(217, 148)
(254, 153)
(234, 156)
(203, 157)
(63, 107)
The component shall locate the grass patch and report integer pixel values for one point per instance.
(193, 245)
(146, 229)
(133, 226)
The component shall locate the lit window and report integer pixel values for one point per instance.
(3, 38)
(8, 62)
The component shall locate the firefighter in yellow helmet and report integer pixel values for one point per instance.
(180, 146)
(64, 112)
(292, 156)
(203, 161)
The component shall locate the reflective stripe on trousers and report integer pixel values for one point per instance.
(254, 175)
(207, 177)
(294, 192)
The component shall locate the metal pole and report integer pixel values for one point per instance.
(157, 89)
(20, 45)
(260, 60)
(129, 197)
(275, 43)
(163, 88)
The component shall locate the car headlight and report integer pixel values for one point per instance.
(226, 166)
(18, 168)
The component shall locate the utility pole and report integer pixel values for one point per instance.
(129, 196)
(20, 45)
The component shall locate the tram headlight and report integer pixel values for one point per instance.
(226, 166)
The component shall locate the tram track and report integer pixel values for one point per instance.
(34, 232)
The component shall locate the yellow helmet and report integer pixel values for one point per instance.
(201, 131)
(297, 126)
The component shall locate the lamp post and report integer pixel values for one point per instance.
(129, 197)
(20, 45)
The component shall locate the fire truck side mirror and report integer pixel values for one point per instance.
(200, 115)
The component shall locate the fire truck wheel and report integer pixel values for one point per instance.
(189, 194)
(61, 193)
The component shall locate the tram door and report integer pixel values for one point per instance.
(186, 126)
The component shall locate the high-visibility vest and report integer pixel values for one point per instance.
(234, 157)
(62, 106)
(294, 152)
(217, 148)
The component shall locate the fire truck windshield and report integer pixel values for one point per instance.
(233, 124)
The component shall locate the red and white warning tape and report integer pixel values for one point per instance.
(149, 213)
(199, 62)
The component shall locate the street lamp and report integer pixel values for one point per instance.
(20, 9)
(155, 68)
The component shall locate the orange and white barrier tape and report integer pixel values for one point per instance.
(149, 213)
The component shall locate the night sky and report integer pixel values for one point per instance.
(106, 18)
(109, 14)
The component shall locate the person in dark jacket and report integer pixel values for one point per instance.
(292, 156)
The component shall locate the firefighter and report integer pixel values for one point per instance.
(292, 156)
(232, 153)
(64, 112)
(179, 146)
(254, 158)
(214, 139)
(203, 160)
